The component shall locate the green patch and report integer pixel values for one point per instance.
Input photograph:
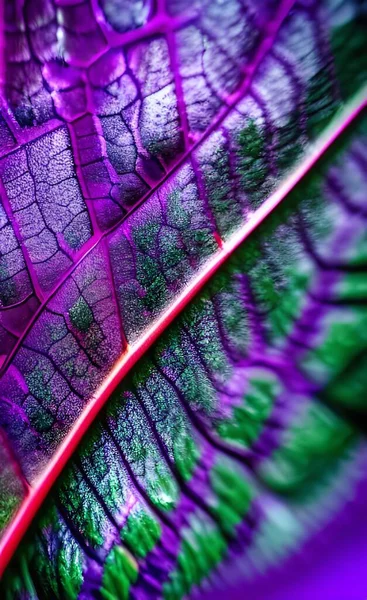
(320, 103)
(176, 215)
(186, 454)
(8, 289)
(252, 166)
(162, 490)
(345, 336)
(353, 287)
(81, 315)
(218, 185)
(171, 251)
(234, 317)
(248, 419)
(141, 532)
(37, 385)
(70, 572)
(202, 549)
(233, 493)
(120, 572)
(145, 235)
(289, 303)
(8, 504)
(88, 515)
(349, 47)
(349, 388)
(152, 280)
(315, 440)
(201, 324)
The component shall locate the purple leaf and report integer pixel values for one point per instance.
(142, 148)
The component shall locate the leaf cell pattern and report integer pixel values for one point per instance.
(229, 418)
(136, 139)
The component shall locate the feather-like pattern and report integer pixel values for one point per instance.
(182, 192)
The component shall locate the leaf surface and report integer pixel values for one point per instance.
(131, 170)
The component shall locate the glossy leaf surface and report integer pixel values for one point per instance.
(138, 145)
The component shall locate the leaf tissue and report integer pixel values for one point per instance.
(183, 286)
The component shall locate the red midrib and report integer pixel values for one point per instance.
(133, 353)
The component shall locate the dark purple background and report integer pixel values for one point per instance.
(331, 566)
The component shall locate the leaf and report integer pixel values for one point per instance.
(140, 150)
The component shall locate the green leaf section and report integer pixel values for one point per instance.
(247, 419)
(203, 546)
(309, 448)
(119, 573)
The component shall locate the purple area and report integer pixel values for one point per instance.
(139, 141)
(330, 566)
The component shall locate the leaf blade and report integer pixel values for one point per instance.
(78, 312)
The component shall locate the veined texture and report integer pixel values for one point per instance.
(143, 145)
